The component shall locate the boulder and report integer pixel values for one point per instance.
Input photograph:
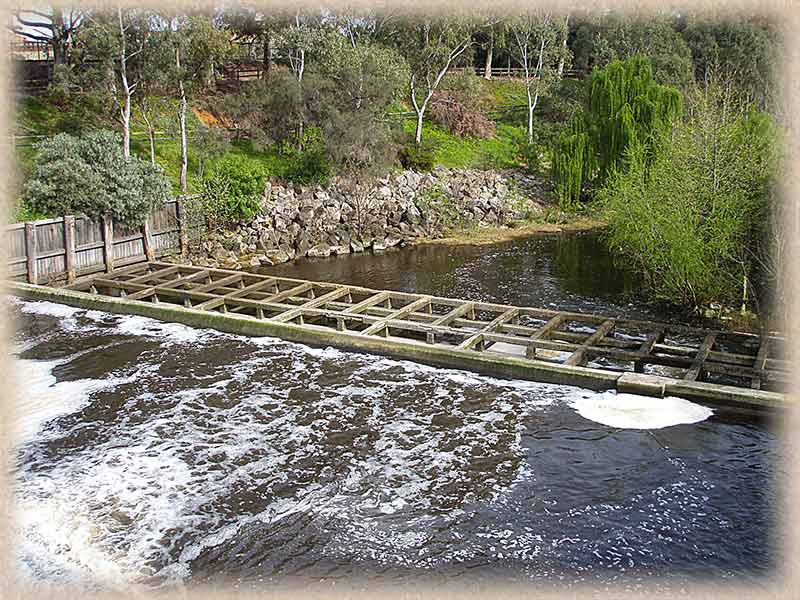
(319, 251)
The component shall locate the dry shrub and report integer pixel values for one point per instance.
(448, 112)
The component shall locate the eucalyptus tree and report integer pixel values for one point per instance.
(537, 44)
(196, 45)
(57, 27)
(113, 42)
(432, 45)
(741, 51)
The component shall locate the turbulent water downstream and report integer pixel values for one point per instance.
(157, 454)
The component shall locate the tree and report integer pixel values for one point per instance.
(626, 109)
(56, 27)
(90, 175)
(696, 218)
(196, 45)
(114, 41)
(600, 40)
(432, 45)
(536, 46)
(740, 51)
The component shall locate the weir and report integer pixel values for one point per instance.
(733, 369)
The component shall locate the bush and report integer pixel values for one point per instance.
(695, 220)
(456, 118)
(232, 193)
(420, 158)
(90, 175)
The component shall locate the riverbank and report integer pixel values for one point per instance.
(479, 236)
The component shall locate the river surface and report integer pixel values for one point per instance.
(155, 454)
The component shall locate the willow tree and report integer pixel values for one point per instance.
(627, 112)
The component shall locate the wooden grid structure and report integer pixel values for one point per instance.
(570, 339)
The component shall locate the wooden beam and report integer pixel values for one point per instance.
(579, 357)
(31, 244)
(477, 338)
(218, 283)
(290, 315)
(455, 313)
(295, 291)
(396, 315)
(760, 362)
(69, 248)
(647, 347)
(544, 332)
(377, 298)
(108, 243)
(702, 353)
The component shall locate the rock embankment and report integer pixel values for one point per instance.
(344, 218)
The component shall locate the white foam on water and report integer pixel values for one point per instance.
(631, 411)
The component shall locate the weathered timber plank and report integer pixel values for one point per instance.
(320, 301)
(397, 315)
(295, 291)
(760, 362)
(455, 313)
(377, 298)
(579, 357)
(647, 347)
(218, 283)
(477, 337)
(702, 353)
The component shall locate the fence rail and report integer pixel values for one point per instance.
(69, 247)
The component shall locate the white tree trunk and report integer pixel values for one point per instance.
(563, 48)
(487, 69)
(125, 110)
(184, 147)
(152, 135)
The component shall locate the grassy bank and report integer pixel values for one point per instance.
(479, 236)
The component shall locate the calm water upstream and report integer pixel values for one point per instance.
(157, 454)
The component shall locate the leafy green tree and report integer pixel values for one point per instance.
(741, 51)
(90, 175)
(197, 45)
(626, 109)
(432, 45)
(112, 43)
(536, 45)
(695, 218)
(602, 39)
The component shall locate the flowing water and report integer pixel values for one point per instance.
(155, 454)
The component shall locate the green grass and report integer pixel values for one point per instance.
(452, 151)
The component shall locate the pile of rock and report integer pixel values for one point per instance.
(339, 219)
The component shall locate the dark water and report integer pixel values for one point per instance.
(157, 454)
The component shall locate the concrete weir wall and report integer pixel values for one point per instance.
(508, 367)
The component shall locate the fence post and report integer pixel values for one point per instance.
(147, 240)
(182, 226)
(69, 247)
(30, 253)
(108, 239)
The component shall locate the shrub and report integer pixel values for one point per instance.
(90, 175)
(420, 158)
(456, 118)
(232, 193)
(696, 220)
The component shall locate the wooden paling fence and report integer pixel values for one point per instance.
(68, 247)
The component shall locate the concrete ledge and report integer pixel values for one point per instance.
(510, 367)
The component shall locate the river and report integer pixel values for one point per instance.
(155, 454)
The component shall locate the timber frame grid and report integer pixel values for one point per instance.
(570, 339)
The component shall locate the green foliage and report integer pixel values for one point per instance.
(737, 50)
(626, 108)
(601, 40)
(90, 175)
(232, 193)
(420, 158)
(694, 217)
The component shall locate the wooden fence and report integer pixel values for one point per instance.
(53, 250)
